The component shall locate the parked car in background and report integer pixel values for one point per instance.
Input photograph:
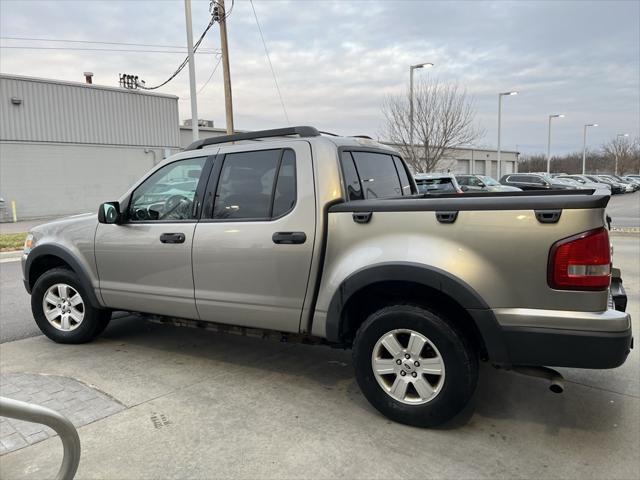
(483, 183)
(437, 183)
(616, 187)
(534, 181)
(627, 188)
(582, 181)
(632, 179)
(627, 182)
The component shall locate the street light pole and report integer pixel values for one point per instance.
(616, 150)
(559, 115)
(192, 71)
(584, 147)
(411, 69)
(500, 95)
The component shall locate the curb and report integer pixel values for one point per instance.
(12, 256)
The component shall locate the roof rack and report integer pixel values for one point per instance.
(236, 137)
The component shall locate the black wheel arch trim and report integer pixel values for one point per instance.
(429, 276)
(67, 256)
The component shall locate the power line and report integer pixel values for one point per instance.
(266, 51)
(210, 76)
(32, 39)
(208, 52)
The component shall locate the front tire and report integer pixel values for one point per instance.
(61, 308)
(413, 367)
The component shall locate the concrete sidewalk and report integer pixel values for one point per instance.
(195, 404)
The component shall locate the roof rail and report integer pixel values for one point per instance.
(236, 137)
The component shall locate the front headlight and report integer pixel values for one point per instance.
(28, 244)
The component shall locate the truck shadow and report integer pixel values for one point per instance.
(500, 395)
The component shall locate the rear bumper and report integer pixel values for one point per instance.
(567, 348)
(566, 339)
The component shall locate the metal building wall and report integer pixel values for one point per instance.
(53, 111)
(67, 147)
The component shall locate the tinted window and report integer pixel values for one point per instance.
(405, 183)
(169, 193)
(519, 178)
(246, 185)
(351, 179)
(284, 197)
(377, 174)
(435, 184)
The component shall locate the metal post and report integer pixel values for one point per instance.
(192, 71)
(411, 69)
(64, 428)
(549, 146)
(500, 95)
(499, 125)
(226, 72)
(616, 145)
(584, 151)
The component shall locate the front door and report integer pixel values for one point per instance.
(252, 254)
(144, 264)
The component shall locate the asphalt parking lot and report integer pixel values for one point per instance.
(168, 402)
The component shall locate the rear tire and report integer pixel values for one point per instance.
(61, 308)
(413, 367)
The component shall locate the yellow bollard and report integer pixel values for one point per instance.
(13, 211)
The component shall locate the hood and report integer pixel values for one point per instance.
(72, 225)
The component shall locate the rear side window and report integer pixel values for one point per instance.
(256, 185)
(377, 174)
(405, 183)
(284, 197)
(351, 178)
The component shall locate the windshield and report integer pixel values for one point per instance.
(489, 181)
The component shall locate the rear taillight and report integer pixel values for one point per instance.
(581, 262)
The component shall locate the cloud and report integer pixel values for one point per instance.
(336, 60)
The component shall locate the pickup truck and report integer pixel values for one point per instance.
(302, 235)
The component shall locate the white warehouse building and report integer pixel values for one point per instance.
(65, 147)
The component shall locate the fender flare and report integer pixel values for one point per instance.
(68, 257)
(431, 277)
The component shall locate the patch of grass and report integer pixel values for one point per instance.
(12, 241)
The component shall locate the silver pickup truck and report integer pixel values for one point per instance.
(326, 239)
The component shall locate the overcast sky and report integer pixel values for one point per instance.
(336, 60)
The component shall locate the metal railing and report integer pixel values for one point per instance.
(45, 416)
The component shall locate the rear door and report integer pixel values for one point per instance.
(252, 248)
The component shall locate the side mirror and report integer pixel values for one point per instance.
(109, 212)
(481, 184)
(464, 188)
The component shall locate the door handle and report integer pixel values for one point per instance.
(289, 238)
(172, 238)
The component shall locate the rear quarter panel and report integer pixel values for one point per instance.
(502, 254)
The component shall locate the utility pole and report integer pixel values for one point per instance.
(192, 71)
(228, 100)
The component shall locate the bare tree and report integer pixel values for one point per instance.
(444, 118)
(624, 153)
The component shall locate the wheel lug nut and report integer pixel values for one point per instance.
(403, 373)
(407, 356)
(399, 361)
(417, 364)
(414, 374)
